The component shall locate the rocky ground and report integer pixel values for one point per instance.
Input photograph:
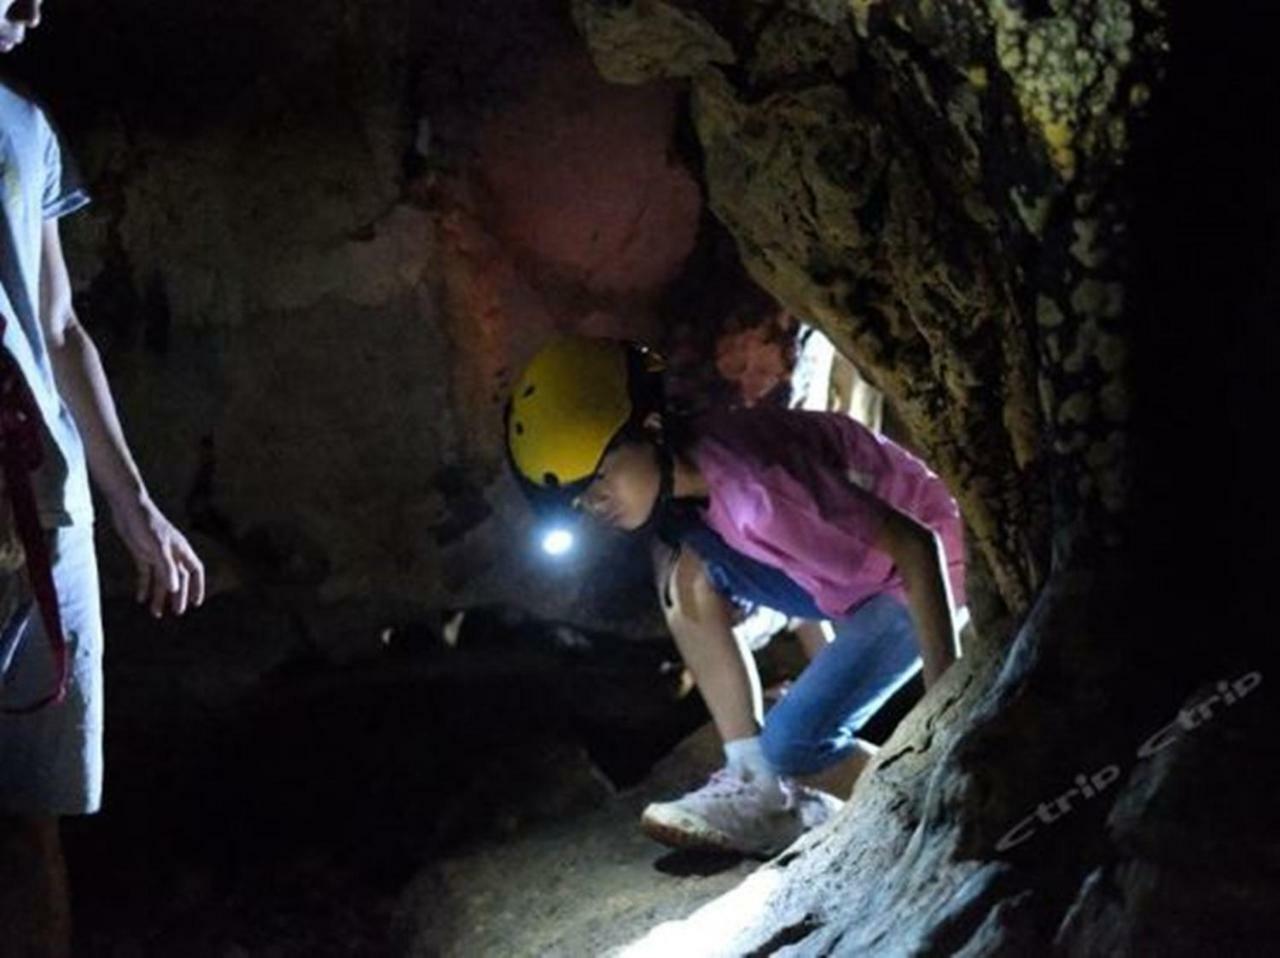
(356, 780)
(579, 886)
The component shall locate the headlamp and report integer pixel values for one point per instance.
(557, 541)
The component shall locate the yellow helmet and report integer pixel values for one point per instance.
(571, 402)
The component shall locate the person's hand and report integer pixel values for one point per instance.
(169, 571)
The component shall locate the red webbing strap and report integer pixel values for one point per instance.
(20, 454)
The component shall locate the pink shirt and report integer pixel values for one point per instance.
(807, 492)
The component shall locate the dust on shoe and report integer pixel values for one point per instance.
(733, 813)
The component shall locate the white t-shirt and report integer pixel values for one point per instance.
(36, 187)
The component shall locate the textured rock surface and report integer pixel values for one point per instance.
(274, 784)
(311, 247)
(948, 190)
(576, 887)
(870, 164)
(323, 241)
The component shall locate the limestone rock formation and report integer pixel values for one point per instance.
(910, 198)
(322, 242)
(327, 233)
(949, 190)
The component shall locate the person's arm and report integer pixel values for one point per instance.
(918, 554)
(168, 567)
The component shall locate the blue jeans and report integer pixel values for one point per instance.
(873, 654)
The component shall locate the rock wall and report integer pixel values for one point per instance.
(326, 238)
(905, 174)
(950, 191)
(322, 247)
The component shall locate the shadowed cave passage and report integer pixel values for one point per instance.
(324, 241)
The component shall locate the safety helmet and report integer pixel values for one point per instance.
(576, 396)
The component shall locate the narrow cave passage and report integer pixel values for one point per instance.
(635, 477)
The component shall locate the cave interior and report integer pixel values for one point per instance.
(1039, 239)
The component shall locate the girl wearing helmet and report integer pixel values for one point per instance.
(808, 513)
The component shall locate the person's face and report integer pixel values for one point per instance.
(16, 18)
(626, 487)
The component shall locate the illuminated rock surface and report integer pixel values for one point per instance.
(950, 191)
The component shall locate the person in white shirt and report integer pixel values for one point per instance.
(54, 398)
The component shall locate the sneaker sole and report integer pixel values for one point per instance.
(674, 837)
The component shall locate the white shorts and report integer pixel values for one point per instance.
(51, 760)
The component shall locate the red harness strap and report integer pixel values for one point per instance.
(20, 454)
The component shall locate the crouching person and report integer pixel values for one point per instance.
(808, 513)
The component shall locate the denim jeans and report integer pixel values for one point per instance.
(873, 654)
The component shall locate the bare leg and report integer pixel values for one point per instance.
(724, 671)
(35, 912)
(750, 809)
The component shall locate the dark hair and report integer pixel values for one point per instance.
(679, 429)
(647, 387)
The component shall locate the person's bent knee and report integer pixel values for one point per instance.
(689, 598)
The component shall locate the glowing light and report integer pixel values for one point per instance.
(557, 542)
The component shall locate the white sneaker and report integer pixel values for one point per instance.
(732, 813)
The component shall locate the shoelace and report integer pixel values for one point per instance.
(725, 781)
